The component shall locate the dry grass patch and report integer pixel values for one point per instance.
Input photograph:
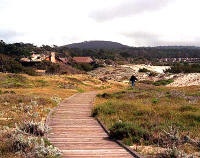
(140, 115)
(31, 98)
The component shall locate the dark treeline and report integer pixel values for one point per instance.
(18, 50)
(148, 53)
(11, 53)
(184, 68)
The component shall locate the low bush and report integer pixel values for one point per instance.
(146, 82)
(30, 71)
(106, 109)
(118, 95)
(8, 64)
(184, 68)
(143, 70)
(104, 95)
(187, 108)
(192, 117)
(56, 100)
(52, 68)
(155, 100)
(163, 82)
(146, 112)
(157, 83)
(80, 90)
(83, 66)
(26, 144)
(40, 83)
(64, 85)
(153, 74)
(34, 128)
(121, 130)
(13, 81)
(43, 150)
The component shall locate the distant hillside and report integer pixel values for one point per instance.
(97, 45)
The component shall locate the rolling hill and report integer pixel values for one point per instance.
(97, 45)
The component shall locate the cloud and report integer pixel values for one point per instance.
(8, 35)
(128, 8)
(143, 38)
(151, 39)
(3, 4)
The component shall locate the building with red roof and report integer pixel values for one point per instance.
(83, 60)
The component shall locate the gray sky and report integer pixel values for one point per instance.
(130, 22)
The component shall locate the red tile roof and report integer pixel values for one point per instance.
(83, 59)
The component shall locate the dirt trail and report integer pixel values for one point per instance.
(77, 134)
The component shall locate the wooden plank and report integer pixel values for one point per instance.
(78, 135)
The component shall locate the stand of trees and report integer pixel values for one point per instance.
(18, 50)
(184, 68)
(11, 53)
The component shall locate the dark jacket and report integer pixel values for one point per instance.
(133, 78)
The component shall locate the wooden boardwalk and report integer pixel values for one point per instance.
(77, 134)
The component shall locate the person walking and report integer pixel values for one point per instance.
(133, 79)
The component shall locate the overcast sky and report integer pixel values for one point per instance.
(130, 22)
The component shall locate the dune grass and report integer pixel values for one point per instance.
(140, 115)
(30, 98)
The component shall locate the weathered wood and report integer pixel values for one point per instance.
(77, 134)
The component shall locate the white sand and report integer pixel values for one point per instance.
(158, 69)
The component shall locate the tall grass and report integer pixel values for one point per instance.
(141, 115)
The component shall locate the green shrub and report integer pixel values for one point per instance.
(33, 128)
(30, 71)
(184, 68)
(40, 83)
(53, 69)
(104, 95)
(95, 111)
(64, 85)
(155, 100)
(192, 117)
(141, 112)
(143, 70)
(14, 81)
(146, 82)
(8, 64)
(188, 108)
(118, 95)
(121, 130)
(163, 82)
(153, 74)
(105, 109)
(80, 90)
(83, 66)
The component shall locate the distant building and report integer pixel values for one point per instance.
(36, 58)
(174, 60)
(53, 58)
(83, 60)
